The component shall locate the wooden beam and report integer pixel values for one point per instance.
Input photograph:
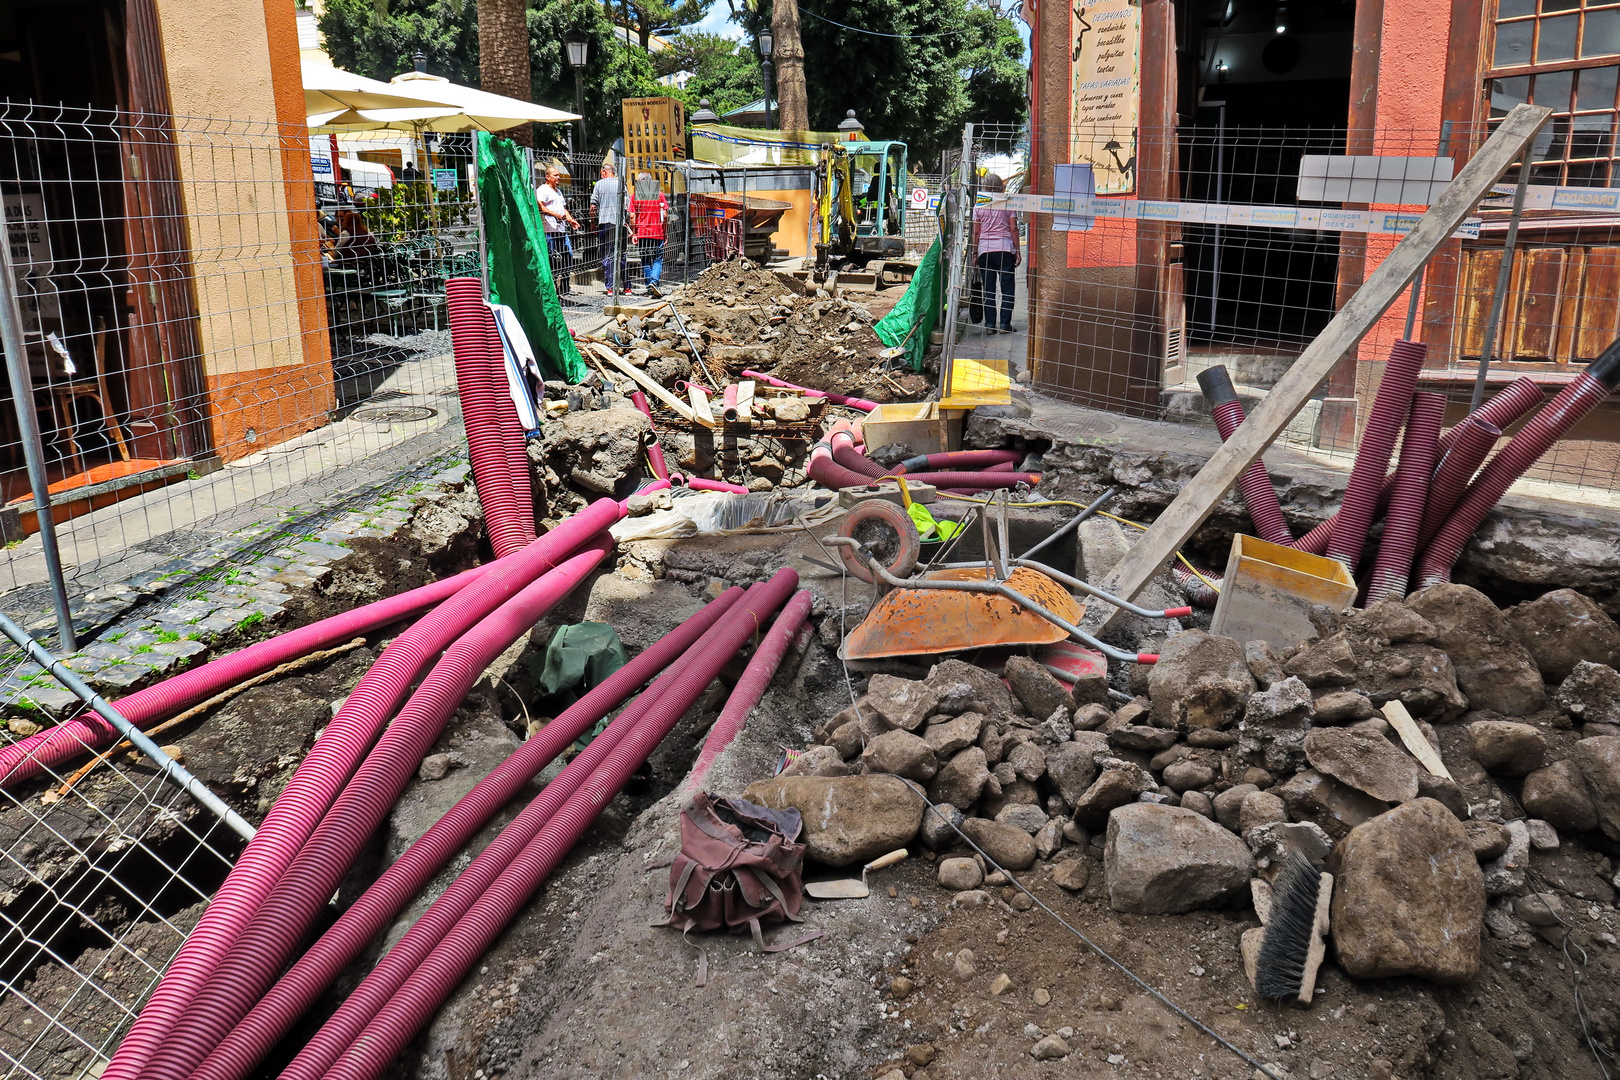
(1358, 315)
(702, 411)
(646, 383)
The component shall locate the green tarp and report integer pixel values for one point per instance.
(579, 658)
(908, 323)
(519, 267)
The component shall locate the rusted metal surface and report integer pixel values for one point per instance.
(916, 622)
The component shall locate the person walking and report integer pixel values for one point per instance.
(607, 206)
(650, 210)
(995, 244)
(554, 209)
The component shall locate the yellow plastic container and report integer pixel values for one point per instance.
(1269, 591)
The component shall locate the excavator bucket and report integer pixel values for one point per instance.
(917, 622)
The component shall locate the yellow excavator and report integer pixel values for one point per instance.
(860, 220)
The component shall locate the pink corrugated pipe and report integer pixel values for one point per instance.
(1198, 592)
(1474, 440)
(414, 1004)
(1420, 446)
(1384, 422)
(703, 483)
(655, 452)
(278, 927)
(508, 521)
(1505, 408)
(844, 452)
(756, 677)
(1258, 494)
(960, 459)
(325, 769)
(1575, 400)
(27, 758)
(837, 399)
(643, 728)
(827, 468)
(371, 914)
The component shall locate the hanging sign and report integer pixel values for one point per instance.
(444, 179)
(1106, 94)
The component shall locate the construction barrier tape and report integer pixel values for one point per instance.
(1314, 218)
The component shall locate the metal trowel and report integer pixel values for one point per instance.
(851, 888)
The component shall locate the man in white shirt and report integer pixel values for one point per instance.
(554, 211)
(607, 205)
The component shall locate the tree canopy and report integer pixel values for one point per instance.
(381, 45)
(945, 64)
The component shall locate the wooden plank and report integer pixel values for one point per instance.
(702, 411)
(641, 379)
(1600, 303)
(1412, 736)
(745, 401)
(1359, 314)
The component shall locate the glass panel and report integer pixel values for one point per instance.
(1589, 174)
(1552, 90)
(1559, 5)
(1557, 41)
(1595, 88)
(1549, 142)
(1602, 36)
(1547, 174)
(1513, 44)
(1507, 9)
(1506, 93)
(1592, 136)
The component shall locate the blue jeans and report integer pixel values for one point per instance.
(996, 268)
(557, 247)
(652, 260)
(605, 232)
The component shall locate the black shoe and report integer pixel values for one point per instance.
(1007, 329)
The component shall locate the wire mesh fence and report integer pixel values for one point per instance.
(205, 326)
(1216, 244)
(103, 872)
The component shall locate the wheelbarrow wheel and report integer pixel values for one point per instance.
(887, 532)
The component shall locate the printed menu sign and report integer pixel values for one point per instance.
(1106, 93)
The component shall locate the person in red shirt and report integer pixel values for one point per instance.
(650, 210)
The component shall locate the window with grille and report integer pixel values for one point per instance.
(1564, 54)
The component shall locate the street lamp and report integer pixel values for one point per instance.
(765, 43)
(578, 45)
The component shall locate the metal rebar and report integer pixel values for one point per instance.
(176, 773)
(1107, 597)
(1499, 294)
(22, 396)
(1074, 522)
(1417, 282)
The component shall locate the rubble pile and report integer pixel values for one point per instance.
(745, 317)
(1231, 756)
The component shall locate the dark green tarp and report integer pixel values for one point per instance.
(909, 322)
(519, 267)
(579, 658)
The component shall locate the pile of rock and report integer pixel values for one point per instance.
(1232, 755)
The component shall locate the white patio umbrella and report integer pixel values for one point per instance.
(341, 98)
(472, 109)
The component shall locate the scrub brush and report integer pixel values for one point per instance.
(1293, 941)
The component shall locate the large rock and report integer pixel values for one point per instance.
(1591, 694)
(1287, 702)
(1336, 807)
(1036, 688)
(1392, 622)
(986, 687)
(1026, 816)
(1071, 769)
(1028, 761)
(1599, 762)
(1421, 677)
(1011, 847)
(1113, 789)
(1228, 805)
(954, 735)
(1563, 628)
(1494, 670)
(1506, 748)
(1200, 681)
(902, 703)
(1342, 707)
(1327, 662)
(586, 454)
(1558, 795)
(901, 753)
(961, 782)
(1164, 860)
(1365, 761)
(1409, 898)
(847, 819)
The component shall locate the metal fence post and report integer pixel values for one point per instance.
(22, 396)
(1503, 278)
(964, 220)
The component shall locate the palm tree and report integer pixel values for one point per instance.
(793, 103)
(503, 55)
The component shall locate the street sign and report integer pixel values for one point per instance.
(919, 198)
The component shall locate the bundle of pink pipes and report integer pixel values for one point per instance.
(1438, 493)
(230, 996)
